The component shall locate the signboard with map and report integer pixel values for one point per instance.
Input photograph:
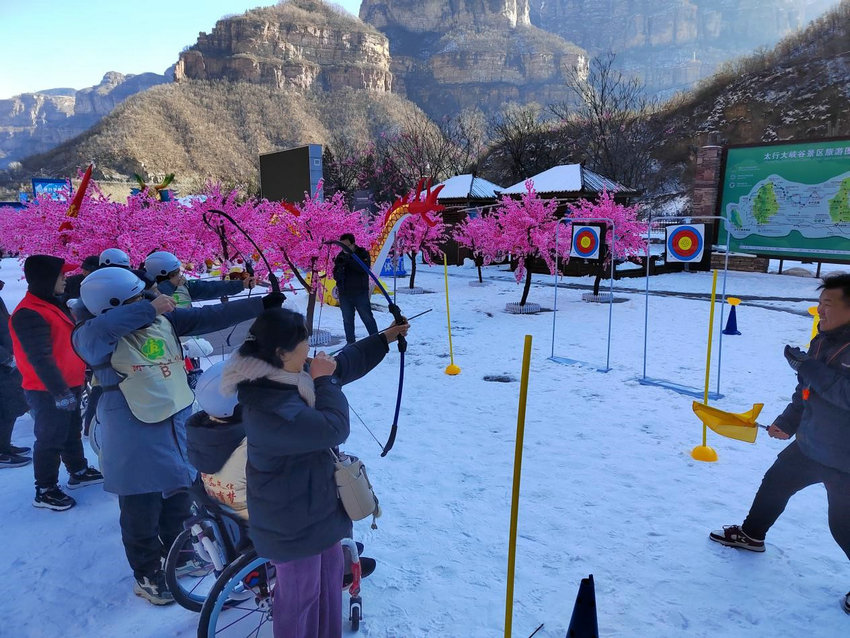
(788, 200)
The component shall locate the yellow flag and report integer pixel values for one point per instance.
(740, 426)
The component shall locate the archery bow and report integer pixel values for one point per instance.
(275, 284)
(401, 341)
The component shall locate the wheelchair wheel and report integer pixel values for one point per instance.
(189, 577)
(240, 603)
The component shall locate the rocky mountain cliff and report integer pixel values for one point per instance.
(447, 56)
(672, 44)
(35, 122)
(304, 44)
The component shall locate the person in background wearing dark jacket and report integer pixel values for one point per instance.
(353, 287)
(293, 415)
(53, 376)
(133, 346)
(819, 417)
(12, 401)
(72, 283)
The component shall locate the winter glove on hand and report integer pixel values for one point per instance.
(273, 300)
(795, 357)
(66, 402)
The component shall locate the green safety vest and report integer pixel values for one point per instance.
(151, 362)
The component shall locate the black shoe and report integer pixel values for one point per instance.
(52, 498)
(845, 603)
(14, 460)
(14, 449)
(153, 589)
(88, 476)
(734, 536)
(367, 566)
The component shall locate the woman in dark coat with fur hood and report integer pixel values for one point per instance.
(294, 412)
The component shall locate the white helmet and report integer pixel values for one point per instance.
(114, 257)
(160, 263)
(108, 288)
(209, 396)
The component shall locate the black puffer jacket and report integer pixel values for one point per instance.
(209, 443)
(349, 275)
(295, 511)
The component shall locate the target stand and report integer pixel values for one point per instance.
(685, 243)
(588, 242)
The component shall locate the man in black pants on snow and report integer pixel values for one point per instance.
(819, 416)
(53, 376)
(352, 285)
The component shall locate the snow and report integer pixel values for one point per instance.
(608, 484)
(565, 178)
(466, 186)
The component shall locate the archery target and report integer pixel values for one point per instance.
(585, 242)
(685, 242)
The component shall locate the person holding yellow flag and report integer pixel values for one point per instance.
(819, 417)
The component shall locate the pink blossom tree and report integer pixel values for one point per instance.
(525, 229)
(473, 233)
(415, 236)
(629, 240)
(297, 234)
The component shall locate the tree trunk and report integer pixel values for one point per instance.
(596, 283)
(478, 262)
(526, 288)
(412, 268)
(311, 309)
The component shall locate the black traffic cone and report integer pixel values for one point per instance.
(583, 623)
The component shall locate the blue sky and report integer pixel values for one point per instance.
(48, 44)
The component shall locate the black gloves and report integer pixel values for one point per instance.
(66, 402)
(273, 300)
(795, 357)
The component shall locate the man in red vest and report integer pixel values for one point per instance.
(53, 376)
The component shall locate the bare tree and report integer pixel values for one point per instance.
(522, 144)
(610, 127)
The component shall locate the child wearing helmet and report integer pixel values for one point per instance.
(216, 442)
(132, 344)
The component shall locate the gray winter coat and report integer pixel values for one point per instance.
(295, 511)
(822, 422)
(137, 457)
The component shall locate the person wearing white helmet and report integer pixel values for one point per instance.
(166, 269)
(114, 257)
(132, 344)
(216, 442)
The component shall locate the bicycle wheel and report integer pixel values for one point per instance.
(189, 587)
(250, 578)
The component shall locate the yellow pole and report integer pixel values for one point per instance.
(451, 368)
(703, 452)
(520, 432)
(815, 321)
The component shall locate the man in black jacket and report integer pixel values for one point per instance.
(353, 287)
(819, 419)
(72, 283)
(12, 402)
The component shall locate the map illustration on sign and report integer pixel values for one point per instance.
(775, 206)
(790, 199)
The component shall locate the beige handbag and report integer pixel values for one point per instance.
(354, 489)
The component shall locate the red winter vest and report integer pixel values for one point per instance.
(73, 368)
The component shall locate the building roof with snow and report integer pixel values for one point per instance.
(467, 187)
(569, 178)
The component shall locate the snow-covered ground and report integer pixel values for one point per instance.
(608, 484)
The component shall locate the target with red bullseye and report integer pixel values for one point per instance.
(685, 242)
(585, 242)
